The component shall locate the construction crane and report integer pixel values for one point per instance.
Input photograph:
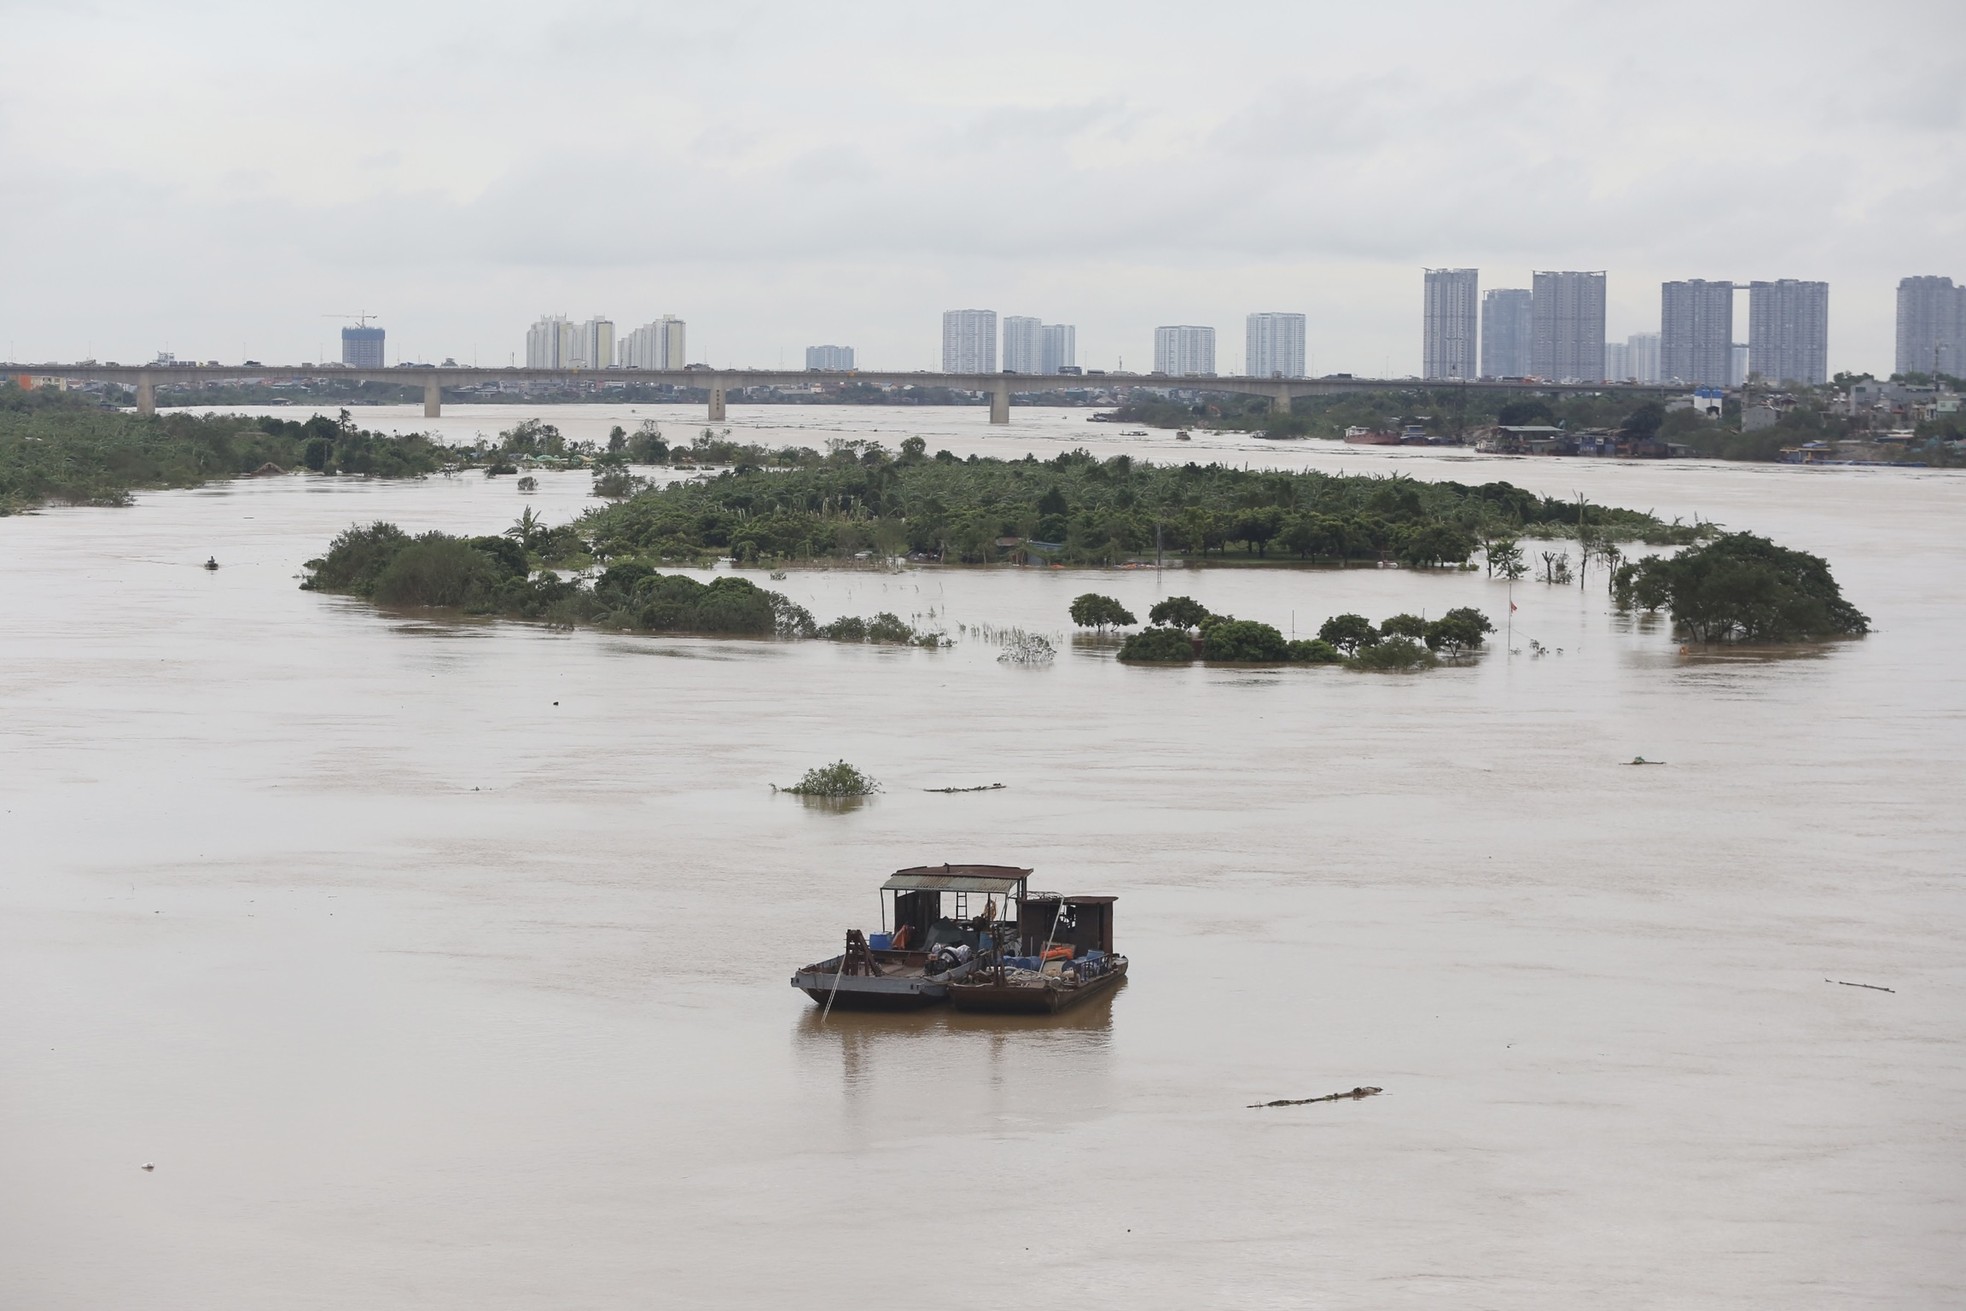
(361, 320)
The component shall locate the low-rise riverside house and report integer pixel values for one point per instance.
(1450, 323)
(969, 341)
(1184, 350)
(830, 359)
(1275, 346)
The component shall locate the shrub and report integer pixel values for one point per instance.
(1393, 653)
(1158, 646)
(1243, 640)
(733, 605)
(890, 628)
(838, 779)
(847, 628)
(1317, 651)
(356, 559)
(436, 570)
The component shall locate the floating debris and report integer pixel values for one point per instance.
(984, 787)
(1874, 987)
(1641, 760)
(1353, 1095)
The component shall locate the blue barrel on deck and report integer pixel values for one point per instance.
(880, 941)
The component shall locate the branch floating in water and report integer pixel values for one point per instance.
(1874, 987)
(984, 787)
(1353, 1095)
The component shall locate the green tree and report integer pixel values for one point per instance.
(530, 530)
(1643, 423)
(1404, 626)
(1505, 557)
(1459, 630)
(1178, 611)
(1349, 633)
(1091, 610)
(1740, 587)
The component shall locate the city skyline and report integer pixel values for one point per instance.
(954, 175)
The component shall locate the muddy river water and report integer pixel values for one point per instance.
(442, 963)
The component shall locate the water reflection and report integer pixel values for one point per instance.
(878, 1049)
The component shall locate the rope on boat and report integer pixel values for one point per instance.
(838, 974)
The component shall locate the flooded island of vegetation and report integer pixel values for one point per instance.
(56, 449)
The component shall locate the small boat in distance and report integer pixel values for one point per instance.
(1066, 957)
(913, 964)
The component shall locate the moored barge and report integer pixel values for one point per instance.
(1066, 957)
(913, 963)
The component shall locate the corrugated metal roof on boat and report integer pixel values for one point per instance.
(956, 878)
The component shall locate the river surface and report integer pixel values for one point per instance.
(442, 963)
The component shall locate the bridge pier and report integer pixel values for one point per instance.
(719, 410)
(1000, 403)
(433, 399)
(146, 395)
(1280, 403)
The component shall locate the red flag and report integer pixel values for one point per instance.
(1512, 607)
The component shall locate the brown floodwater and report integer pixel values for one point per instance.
(442, 963)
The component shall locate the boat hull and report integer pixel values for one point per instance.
(904, 987)
(1045, 998)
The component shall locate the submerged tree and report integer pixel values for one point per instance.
(1092, 610)
(838, 779)
(1178, 612)
(1743, 588)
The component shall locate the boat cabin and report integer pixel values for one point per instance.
(1045, 919)
(933, 906)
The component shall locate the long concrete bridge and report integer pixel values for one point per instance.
(724, 384)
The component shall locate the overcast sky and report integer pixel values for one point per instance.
(214, 177)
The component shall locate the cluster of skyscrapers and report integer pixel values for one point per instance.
(1554, 329)
(556, 342)
(969, 344)
(830, 359)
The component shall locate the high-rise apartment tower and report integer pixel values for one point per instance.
(1183, 350)
(1696, 332)
(545, 341)
(1567, 326)
(1451, 322)
(1023, 344)
(1275, 346)
(969, 341)
(1061, 348)
(1642, 356)
(660, 344)
(1788, 331)
(362, 348)
(1931, 326)
(1507, 329)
